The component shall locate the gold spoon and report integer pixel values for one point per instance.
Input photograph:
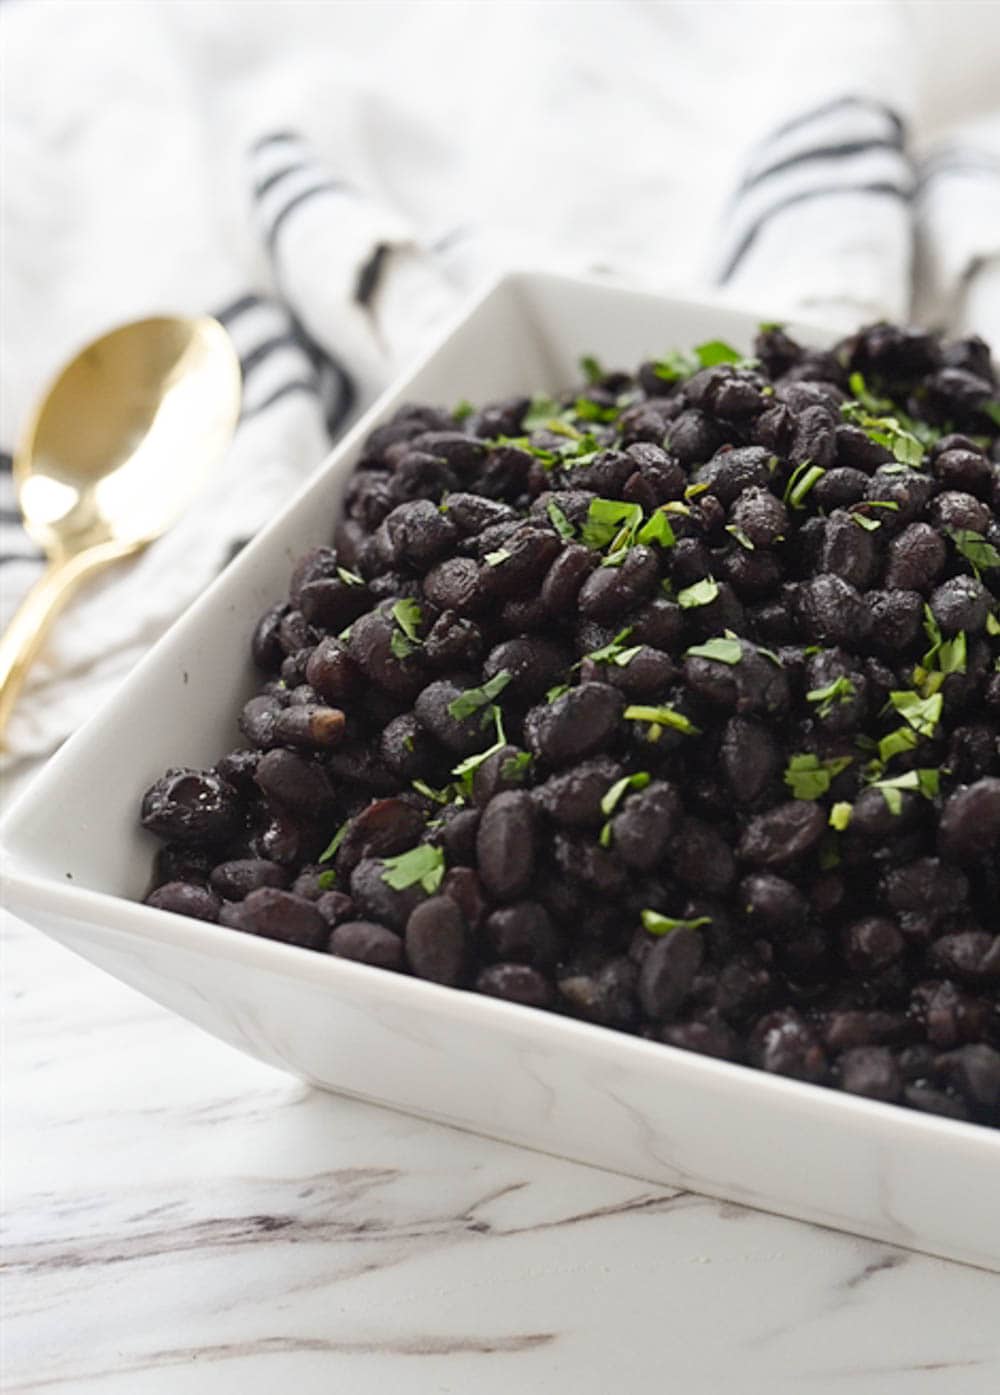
(112, 455)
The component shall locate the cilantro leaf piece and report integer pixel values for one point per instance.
(559, 521)
(926, 782)
(586, 410)
(808, 777)
(896, 743)
(516, 766)
(605, 518)
(327, 880)
(557, 691)
(468, 767)
(407, 615)
(992, 624)
(992, 410)
(869, 524)
(658, 924)
(740, 536)
(725, 651)
(657, 529)
(980, 554)
(461, 410)
(438, 796)
(800, 481)
(693, 490)
(674, 366)
(715, 351)
(702, 592)
(540, 413)
(840, 690)
(626, 656)
(495, 559)
(607, 652)
(475, 698)
(335, 842)
(613, 797)
(350, 578)
(423, 864)
(663, 716)
(841, 815)
(591, 369)
(922, 713)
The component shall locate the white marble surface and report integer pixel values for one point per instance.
(183, 1221)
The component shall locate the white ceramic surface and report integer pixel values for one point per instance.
(75, 855)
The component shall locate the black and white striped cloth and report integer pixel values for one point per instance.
(836, 215)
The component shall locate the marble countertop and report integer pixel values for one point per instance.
(181, 1220)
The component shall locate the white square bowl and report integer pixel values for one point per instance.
(76, 859)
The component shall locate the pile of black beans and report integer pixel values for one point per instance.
(671, 704)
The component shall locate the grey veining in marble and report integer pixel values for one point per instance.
(183, 1221)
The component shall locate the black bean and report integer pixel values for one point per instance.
(702, 858)
(506, 843)
(955, 509)
(311, 727)
(534, 665)
(894, 620)
(529, 554)
(184, 898)
(609, 592)
(462, 735)
(760, 515)
(523, 933)
(962, 603)
(332, 672)
(578, 724)
(974, 1071)
(377, 900)
(436, 941)
(508, 768)
(784, 1043)
(453, 642)
(573, 797)
(235, 880)
(382, 828)
(367, 942)
(870, 1071)
(274, 914)
(371, 647)
(659, 623)
(970, 822)
(754, 684)
(830, 610)
(783, 834)
(750, 759)
(603, 992)
(407, 750)
(856, 450)
(190, 806)
(839, 488)
(644, 829)
(456, 833)
(299, 784)
(773, 904)
(265, 646)
(454, 584)
(517, 983)
(849, 551)
(668, 972)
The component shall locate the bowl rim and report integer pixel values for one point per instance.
(153, 925)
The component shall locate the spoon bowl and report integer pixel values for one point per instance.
(117, 448)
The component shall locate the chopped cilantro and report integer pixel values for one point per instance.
(927, 782)
(605, 518)
(801, 480)
(992, 410)
(702, 592)
(423, 864)
(613, 797)
(461, 410)
(494, 559)
(591, 369)
(327, 880)
(540, 413)
(716, 351)
(657, 529)
(869, 524)
(350, 578)
(725, 651)
(840, 815)
(586, 410)
(407, 615)
(980, 554)
(475, 698)
(334, 842)
(922, 713)
(658, 924)
(607, 652)
(992, 624)
(673, 367)
(840, 690)
(808, 777)
(468, 767)
(740, 536)
(515, 767)
(557, 691)
(897, 743)
(693, 490)
(660, 717)
(881, 504)
(438, 796)
(559, 521)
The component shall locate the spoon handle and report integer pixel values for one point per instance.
(26, 633)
